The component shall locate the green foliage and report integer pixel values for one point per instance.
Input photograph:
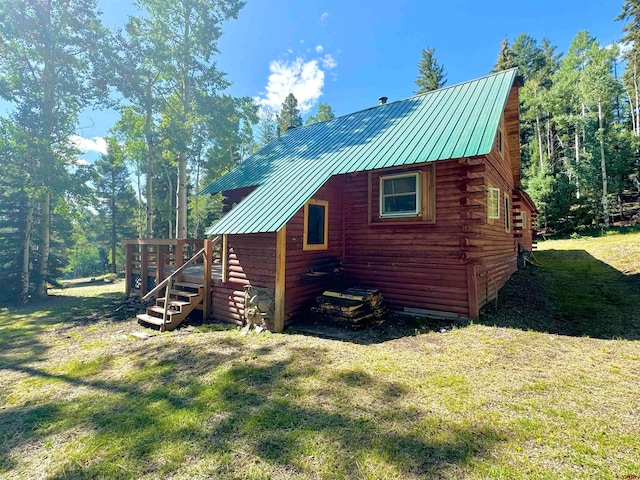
(505, 58)
(267, 127)
(51, 60)
(289, 116)
(115, 201)
(431, 74)
(323, 114)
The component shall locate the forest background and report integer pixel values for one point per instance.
(178, 130)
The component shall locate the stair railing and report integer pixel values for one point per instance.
(168, 282)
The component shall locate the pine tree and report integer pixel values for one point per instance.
(289, 114)
(431, 75)
(323, 114)
(267, 126)
(505, 58)
(115, 198)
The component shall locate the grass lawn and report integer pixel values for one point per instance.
(545, 385)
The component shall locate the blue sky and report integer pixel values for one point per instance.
(348, 53)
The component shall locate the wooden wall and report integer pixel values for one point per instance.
(524, 234)
(310, 272)
(455, 262)
(232, 197)
(416, 263)
(495, 253)
(252, 260)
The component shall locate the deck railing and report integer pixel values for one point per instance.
(149, 261)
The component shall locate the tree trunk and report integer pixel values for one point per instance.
(170, 197)
(635, 85)
(632, 112)
(113, 223)
(148, 133)
(26, 248)
(549, 140)
(181, 191)
(45, 221)
(539, 133)
(48, 165)
(197, 219)
(577, 148)
(603, 166)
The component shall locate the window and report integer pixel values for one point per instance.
(507, 214)
(316, 224)
(493, 203)
(500, 137)
(400, 195)
(523, 218)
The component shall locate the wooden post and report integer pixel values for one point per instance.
(166, 306)
(472, 291)
(144, 263)
(224, 253)
(281, 256)
(208, 261)
(179, 257)
(161, 257)
(128, 258)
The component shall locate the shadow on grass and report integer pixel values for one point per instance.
(393, 327)
(243, 411)
(569, 293)
(21, 327)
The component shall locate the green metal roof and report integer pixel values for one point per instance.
(452, 122)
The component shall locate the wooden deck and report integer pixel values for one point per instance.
(148, 261)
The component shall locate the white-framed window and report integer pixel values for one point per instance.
(400, 195)
(316, 225)
(523, 219)
(507, 214)
(493, 203)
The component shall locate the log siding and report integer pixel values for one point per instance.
(310, 272)
(251, 261)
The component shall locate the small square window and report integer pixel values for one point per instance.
(400, 195)
(316, 223)
(493, 203)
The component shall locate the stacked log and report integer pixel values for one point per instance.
(355, 307)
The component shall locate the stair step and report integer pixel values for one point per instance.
(160, 310)
(183, 293)
(172, 303)
(188, 285)
(144, 318)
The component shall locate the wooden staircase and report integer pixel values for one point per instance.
(183, 299)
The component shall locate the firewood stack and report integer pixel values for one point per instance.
(354, 307)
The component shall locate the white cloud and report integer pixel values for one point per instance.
(305, 79)
(81, 162)
(95, 144)
(329, 62)
(324, 16)
(319, 48)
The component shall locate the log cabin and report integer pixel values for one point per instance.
(420, 198)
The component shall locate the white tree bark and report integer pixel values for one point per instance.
(26, 248)
(603, 167)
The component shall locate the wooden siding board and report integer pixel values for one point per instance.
(310, 272)
(251, 261)
(416, 266)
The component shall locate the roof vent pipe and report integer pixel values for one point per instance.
(382, 100)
